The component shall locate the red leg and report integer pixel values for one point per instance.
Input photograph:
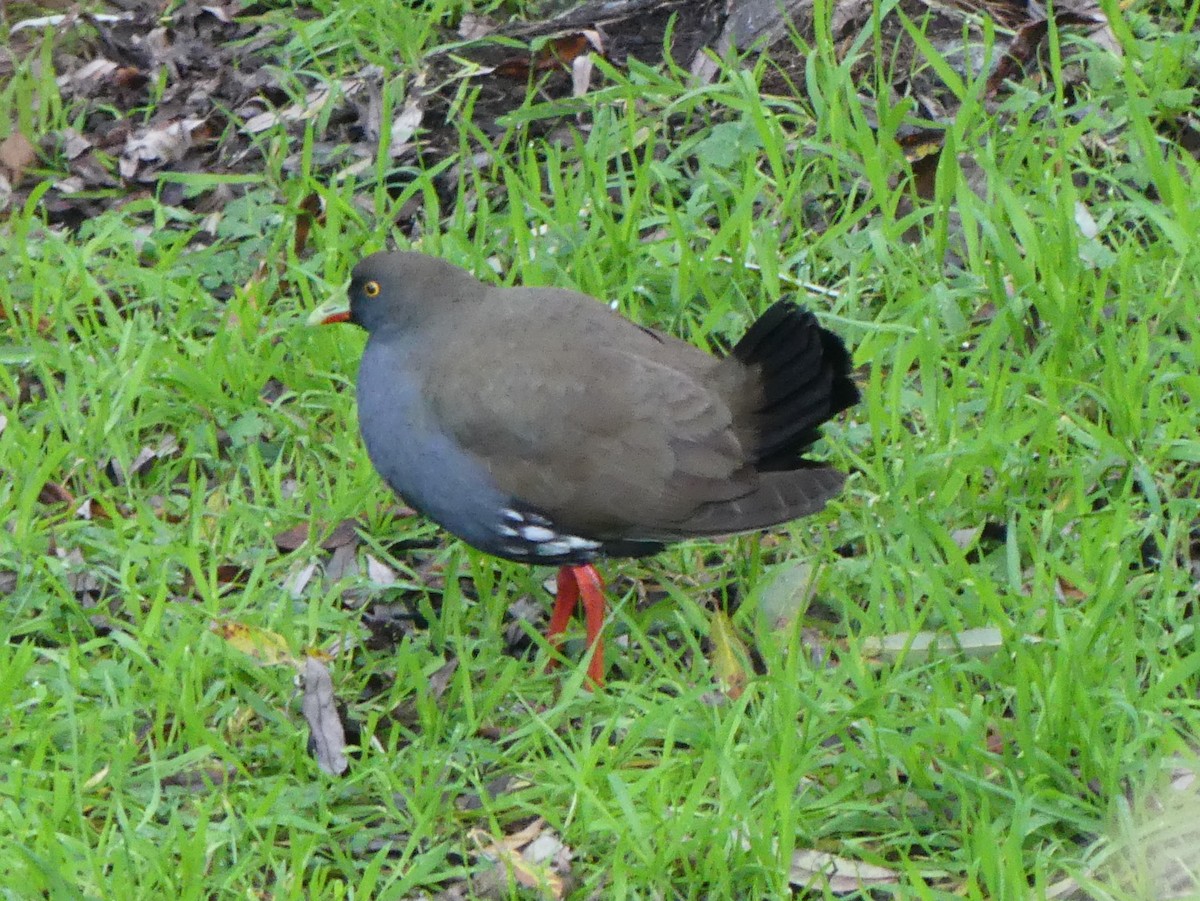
(564, 605)
(589, 584)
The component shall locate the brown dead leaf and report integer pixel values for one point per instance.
(1026, 41)
(314, 103)
(89, 77)
(231, 574)
(129, 78)
(1066, 591)
(493, 789)
(91, 509)
(225, 14)
(55, 493)
(583, 65)
(293, 538)
(312, 209)
(441, 678)
(73, 144)
(995, 742)
(202, 779)
(556, 53)
(581, 74)
(16, 155)
(343, 534)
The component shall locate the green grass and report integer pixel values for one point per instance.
(1015, 371)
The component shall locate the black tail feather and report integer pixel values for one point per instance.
(805, 380)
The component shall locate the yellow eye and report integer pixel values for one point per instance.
(371, 289)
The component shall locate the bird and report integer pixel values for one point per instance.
(539, 425)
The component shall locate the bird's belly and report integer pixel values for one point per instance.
(432, 472)
(423, 465)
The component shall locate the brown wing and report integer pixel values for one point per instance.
(612, 431)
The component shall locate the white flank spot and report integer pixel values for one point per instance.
(564, 544)
(538, 534)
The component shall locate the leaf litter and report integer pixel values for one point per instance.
(210, 75)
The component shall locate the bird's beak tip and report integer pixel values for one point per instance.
(327, 314)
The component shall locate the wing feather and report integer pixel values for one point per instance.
(620, 434)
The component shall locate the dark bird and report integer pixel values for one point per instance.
(539, 425)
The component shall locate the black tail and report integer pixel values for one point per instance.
(805, 379)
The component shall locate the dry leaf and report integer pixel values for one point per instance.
(263, 645)
(729, 656)
(164, 144)
(312, 210)
(314, 102)
(55, 493)
(293, 538)
(785, 594)
(327, 738)
(557, 53)
(222, 13)
(67, 20)
(16, 155)
(344, 534)
(1066, 591)
(343, 564)
(472, 27)
(380, 573)
(299, 578)
(917, 647)
(523, 869)
(167, 446)
(964, 539)
(1025, 43)
(1156, 853)
(404, 126)
(841, 875)
(581, 74)
(96, 70)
